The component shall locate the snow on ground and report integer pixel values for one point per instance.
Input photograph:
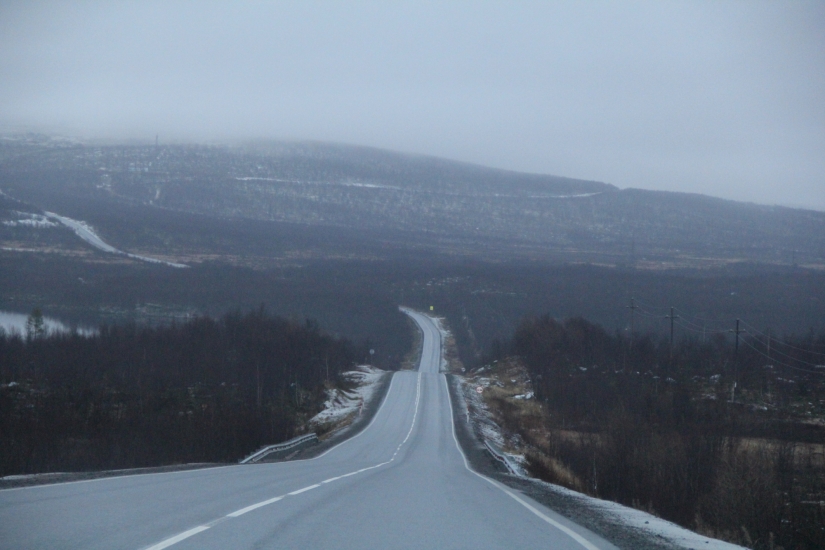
(30, 220)
(85, 232)
(637, 519)
(631, 517)
(341, 404)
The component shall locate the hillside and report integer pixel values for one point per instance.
(405, 200)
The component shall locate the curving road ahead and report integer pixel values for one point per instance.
(401, 483)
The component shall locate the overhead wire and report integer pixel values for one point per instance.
(684, 321)
(780, 363)
(702, 330)
(748, 344)
(778, 352)
(753, 329)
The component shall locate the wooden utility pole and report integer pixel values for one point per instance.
(736, 331)
(632, 307)
(672, 317)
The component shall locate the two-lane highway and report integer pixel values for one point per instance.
(401, 483)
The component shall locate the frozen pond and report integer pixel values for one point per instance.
(16, 322)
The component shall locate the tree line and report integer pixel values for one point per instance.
(206, 390)
(712, 438)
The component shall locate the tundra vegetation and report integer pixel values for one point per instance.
(730, 444)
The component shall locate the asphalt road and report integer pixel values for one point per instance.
(401, 483)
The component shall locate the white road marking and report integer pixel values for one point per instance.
(177, 538)
(242, 511)
(237, 513)
(110, 478)
(384, 402)
(566, 530)
(392, 380)
(563, 528)
(304, 490)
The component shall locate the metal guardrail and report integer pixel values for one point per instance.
(501, 458)
(286, 445)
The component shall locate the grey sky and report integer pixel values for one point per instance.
(722, 98)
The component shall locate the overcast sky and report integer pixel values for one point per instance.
(722, 98)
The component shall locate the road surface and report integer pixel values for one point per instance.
(401, 483)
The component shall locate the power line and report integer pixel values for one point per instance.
(753, 329)
(650, 305)
(703, 326)
(792, 357)
(703, 330)
(648, 314)
(685, 321)
(706, 319)
(773, 350)
(780, 363)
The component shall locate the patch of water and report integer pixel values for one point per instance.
(12, 322)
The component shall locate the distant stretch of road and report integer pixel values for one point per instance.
(403, 482)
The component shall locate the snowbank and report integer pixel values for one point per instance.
(342, 404)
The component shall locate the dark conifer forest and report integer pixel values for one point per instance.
(204, 390)
(720, 440)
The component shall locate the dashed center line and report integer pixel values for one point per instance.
(166, 543)
(177, 538)
(242, 511)
(304, 490)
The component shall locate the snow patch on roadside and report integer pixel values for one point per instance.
(488, 429)
(478, 413)
(341, 404)
(27, 219)
(648, 523)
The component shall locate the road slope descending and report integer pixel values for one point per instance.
(401, 483)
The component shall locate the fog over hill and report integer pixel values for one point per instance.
(451, 206)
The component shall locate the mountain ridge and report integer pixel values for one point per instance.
(454, 206)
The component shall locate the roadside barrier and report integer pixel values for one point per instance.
(501, 457)
(286, 445)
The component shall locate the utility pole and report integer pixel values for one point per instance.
(632, 307)
(672, 317)
(737, 331)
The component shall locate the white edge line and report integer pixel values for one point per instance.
(261, 504)
(566, 530)
(110, 478)
(177, 538)
(40, 486)
(375, 416)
